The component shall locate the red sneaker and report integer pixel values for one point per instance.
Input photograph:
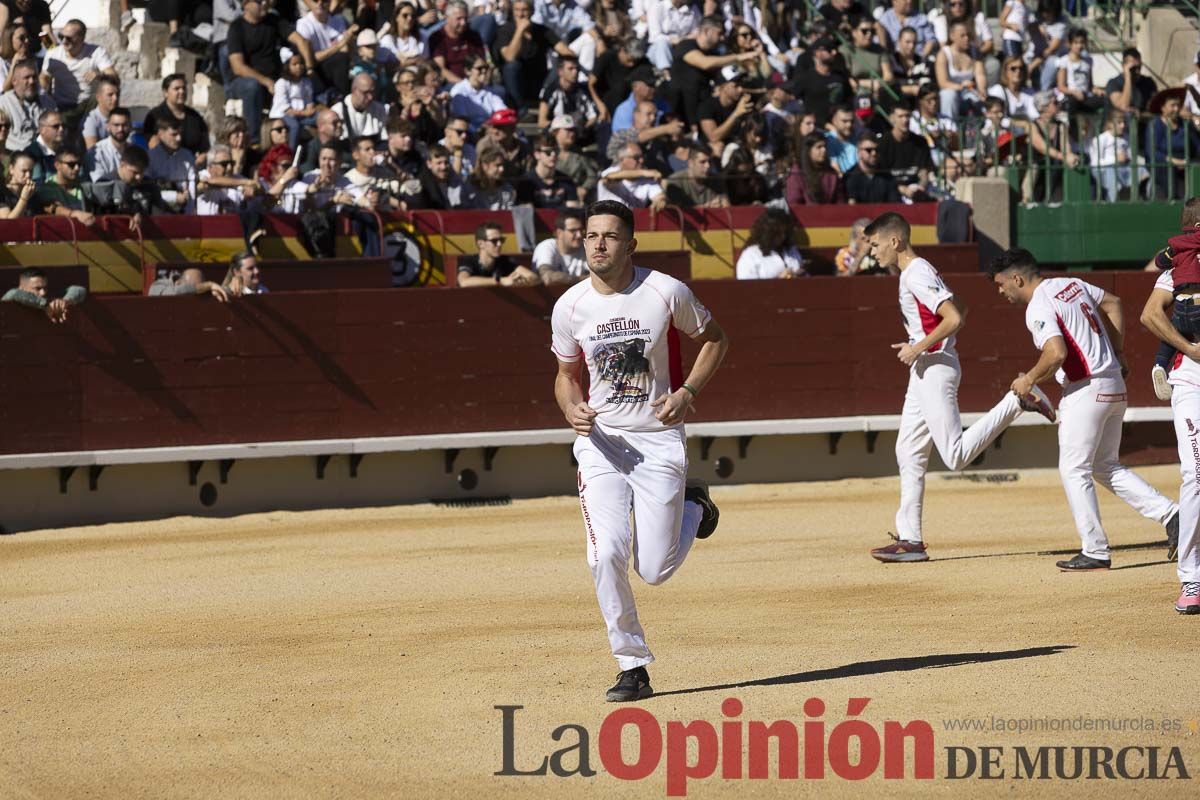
(900, 550)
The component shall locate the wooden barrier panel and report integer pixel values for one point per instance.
(676, 263)
(293, 276)
(129, 372)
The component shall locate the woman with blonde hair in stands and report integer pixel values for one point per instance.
(486, 189)
(771, 250)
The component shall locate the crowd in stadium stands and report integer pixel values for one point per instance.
(349, 107)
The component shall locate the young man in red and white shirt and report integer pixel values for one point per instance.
(1184, 379)
(623, 322)
(932, 316)
(1080, 329)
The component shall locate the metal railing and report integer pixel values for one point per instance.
(1150, 167)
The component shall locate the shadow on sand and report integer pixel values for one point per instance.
(879, 667)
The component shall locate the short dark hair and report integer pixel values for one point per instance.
(566, 214)
(543, 140)
(67, 151)
(890, 222)
(1191, 213)
(111, 80)
(1016, 259)
(840, 108)
(481, 231)
(613, 208)
(357, 140)
(995, 102)
(711, 22)
(135, 157)
(29, 273)
(1076, 33)
(572, 59)
(1131, 52)
(472, 60)
(866, 136)
(174, 76)
(437, 151)
(120, 111)
(167, 122)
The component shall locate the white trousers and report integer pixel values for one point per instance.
(1089, 441)
(1185, 403)
(620, 470)
(930, 419)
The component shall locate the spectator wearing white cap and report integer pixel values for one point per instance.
(292, 100)
(331, 39)
(473, 97)
(367, 61)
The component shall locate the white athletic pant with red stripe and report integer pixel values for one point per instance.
(1089, 441)
(930, 419)
(1185, 403)
(645, 472)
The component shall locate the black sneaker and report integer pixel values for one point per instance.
(632, 684)
(1082, 563)
(1173, 537)
(697, 492)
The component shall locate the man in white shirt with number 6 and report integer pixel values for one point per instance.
(1080, 330)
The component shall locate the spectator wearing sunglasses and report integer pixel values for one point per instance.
(219, 198)
(71, 70)
(65, 195)
(489, 267)
(51, 136)
(457, 141)
(544, 186)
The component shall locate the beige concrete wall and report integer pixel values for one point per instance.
(30, 498)
(1168, 42)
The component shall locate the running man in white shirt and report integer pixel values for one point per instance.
(624, 322)
(1184, 379)
(1080, 330)
(930, 418)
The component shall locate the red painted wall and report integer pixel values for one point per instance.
(145, 372)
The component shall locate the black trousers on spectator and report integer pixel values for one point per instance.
(332, 78)
(186, 12)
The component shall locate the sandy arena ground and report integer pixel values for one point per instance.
(360, 653)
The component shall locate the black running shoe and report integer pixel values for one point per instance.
(697, 492)
(1173, 537)
(1082, 563)
(632, 684)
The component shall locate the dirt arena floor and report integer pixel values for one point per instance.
(361, 653)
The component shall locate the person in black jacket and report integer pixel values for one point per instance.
(437, 186)
(866, 182)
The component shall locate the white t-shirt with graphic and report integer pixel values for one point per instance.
(1070, 308)
(630, 341)
(922, 290)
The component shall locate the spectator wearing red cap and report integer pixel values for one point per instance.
(500, 134)
(474, 98)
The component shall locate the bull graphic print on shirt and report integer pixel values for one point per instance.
(624, 366)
